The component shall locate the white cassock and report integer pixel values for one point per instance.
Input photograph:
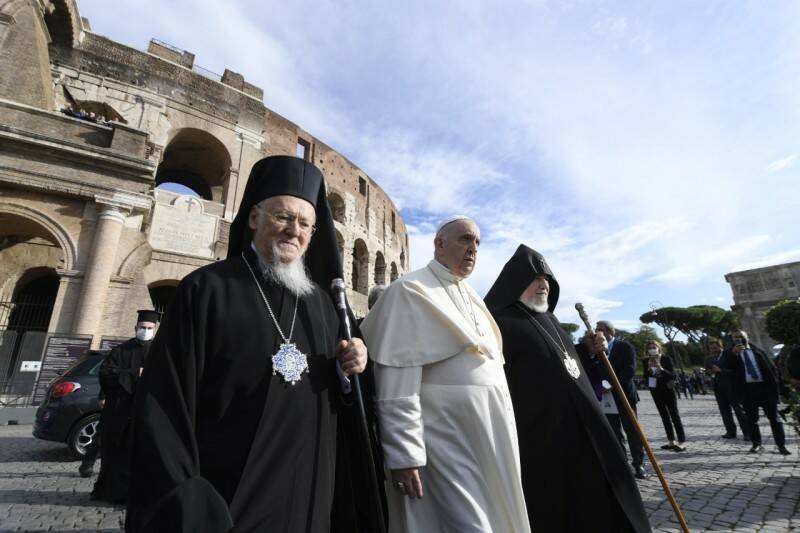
(443, 405)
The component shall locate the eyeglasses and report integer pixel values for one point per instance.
(285, 219)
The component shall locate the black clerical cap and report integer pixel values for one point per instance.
(148, 315)
(517, 274)
(280, 175)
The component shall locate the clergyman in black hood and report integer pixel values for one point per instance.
(118, 377)
(243, 418)
(574, 473)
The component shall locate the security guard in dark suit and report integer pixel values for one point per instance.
(756, 382)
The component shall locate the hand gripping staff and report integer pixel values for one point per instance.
(339, 299)
(632, 417)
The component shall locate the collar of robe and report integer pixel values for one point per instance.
(415, 322)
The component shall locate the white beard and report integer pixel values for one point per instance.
(292, 276)
(532, 305)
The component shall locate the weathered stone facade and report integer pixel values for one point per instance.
(756, 291)
(78, 189)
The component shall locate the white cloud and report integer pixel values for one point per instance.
(717, 258)
(611, 26)
(626, 142)
(431, 178)
(780, 258)
(782, 164)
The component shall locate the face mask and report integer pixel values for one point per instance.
(652, 351)
(144, 334)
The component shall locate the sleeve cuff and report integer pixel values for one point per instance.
(401, 432)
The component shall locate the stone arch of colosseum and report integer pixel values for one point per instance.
(135, 261)
(64, 22)
(36, 250)
(161, 293)
(198, 160)
(41, 225)
(380, 269)
(338, 208)
(161, 271)
(360, 277)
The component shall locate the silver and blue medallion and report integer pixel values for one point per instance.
(289, 362)
(572, 367)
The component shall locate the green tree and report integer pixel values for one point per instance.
(696, 321)
(783, 322)
(639, 337)
(639, 340)
(570, 328)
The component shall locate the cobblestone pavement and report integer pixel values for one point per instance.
(718, 484)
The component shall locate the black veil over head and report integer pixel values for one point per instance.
(287, 175)
(517, 274)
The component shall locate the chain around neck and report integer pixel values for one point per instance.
(560, 345)
(269, 308)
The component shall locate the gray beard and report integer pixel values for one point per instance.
(533, 306)
(292, 276)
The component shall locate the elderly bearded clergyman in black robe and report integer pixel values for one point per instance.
(574, 473)
(243, 419)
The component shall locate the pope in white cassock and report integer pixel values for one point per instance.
(445, 414)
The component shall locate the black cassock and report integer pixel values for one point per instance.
(118, 377)
(221, 442)
(574, 474)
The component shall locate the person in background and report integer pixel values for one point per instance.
(660, 375)
(622, 356)
(723, 386)
(757, 383)
(119, 375)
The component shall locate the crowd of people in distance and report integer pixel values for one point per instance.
(479, 415)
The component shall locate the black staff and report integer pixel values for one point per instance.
(340, 300)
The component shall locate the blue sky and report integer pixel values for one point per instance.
(645, 148)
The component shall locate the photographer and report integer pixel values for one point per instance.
(660, 373)
(756, 380)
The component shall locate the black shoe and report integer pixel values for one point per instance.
(668, 447)
(729, 436)
(679, 447)
(783, 451)
(85, 470)
(639, 472)
(757, 448)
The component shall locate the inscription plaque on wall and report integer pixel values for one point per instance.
(107, 343)
(183, 228)
(59, 354)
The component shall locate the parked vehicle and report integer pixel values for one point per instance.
(70, 412)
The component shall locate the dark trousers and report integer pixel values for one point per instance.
(755, 396)
(620, 422)
(667, 405)
(727, 403)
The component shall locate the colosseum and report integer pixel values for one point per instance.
(120, 172)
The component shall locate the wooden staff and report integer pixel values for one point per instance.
(635, 421)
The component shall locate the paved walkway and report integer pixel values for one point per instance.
(719, 485)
